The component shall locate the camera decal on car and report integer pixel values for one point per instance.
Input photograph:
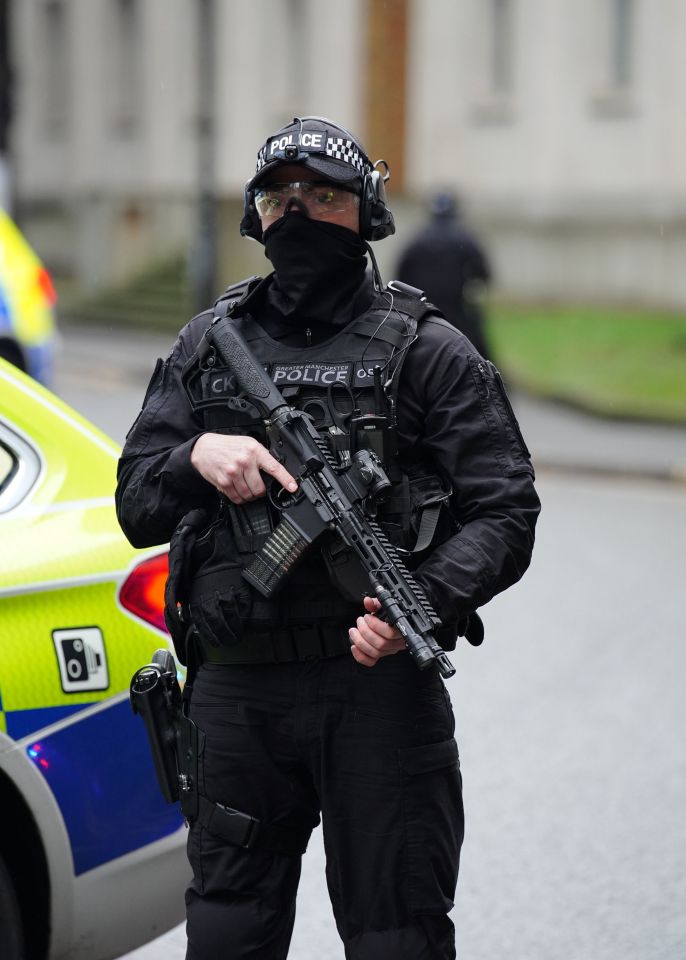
(81, 658)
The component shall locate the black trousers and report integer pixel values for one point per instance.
(373, 751)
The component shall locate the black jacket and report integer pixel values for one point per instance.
(452, 414)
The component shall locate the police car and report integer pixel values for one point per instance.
(92, 860)
(27, 305)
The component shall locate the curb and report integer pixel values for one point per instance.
(675, 475)
(591, 411)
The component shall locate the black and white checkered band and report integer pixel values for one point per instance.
(339, 148)
(261, 158)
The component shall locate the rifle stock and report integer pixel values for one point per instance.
(251, 378)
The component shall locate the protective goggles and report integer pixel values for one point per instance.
(322, 201)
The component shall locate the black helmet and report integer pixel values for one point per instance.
(318, 144)
(321, 145)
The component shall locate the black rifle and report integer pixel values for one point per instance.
(328, 498)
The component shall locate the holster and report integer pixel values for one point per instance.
(177, 745)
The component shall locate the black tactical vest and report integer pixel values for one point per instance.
(348, 385)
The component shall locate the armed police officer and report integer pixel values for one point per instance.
(307, 703)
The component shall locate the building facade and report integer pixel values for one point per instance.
(558, 122)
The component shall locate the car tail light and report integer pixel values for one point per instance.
(47, 287)
(142, 593)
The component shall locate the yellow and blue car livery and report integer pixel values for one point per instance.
(27, 305)
(96, 857)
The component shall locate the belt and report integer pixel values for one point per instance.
(283, 645)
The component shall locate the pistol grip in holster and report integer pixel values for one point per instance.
(156, 696)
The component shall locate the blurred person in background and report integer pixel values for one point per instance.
(28, 327)
(308, 704)
(446, 261)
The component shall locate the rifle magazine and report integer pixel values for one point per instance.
(280, 552)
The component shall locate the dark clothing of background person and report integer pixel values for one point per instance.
(313, 733)
(445, 260)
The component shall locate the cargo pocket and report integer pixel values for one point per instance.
(510, 449)
(434, 824)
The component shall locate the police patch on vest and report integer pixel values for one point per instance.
(364, 372)
(311, 374)
(219, 383)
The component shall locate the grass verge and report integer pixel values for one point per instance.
(615, 362)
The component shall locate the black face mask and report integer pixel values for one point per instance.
(319, 266)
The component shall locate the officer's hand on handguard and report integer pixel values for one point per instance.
(373, 638)
(232, 464)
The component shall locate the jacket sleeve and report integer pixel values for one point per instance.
(467, 428)
(156, 482)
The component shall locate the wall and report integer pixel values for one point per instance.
(574, 175)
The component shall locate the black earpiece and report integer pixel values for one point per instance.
(376, 220)
(250, 226)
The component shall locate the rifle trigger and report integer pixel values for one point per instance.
(280, 498)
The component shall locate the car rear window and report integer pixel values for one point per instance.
(20, 466)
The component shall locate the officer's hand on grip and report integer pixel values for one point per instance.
(373, 638)
(232, 464)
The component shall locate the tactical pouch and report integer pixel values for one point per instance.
(219, 599)
(416, 515)
(176, 591)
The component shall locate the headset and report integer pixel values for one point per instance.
(376, 220)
